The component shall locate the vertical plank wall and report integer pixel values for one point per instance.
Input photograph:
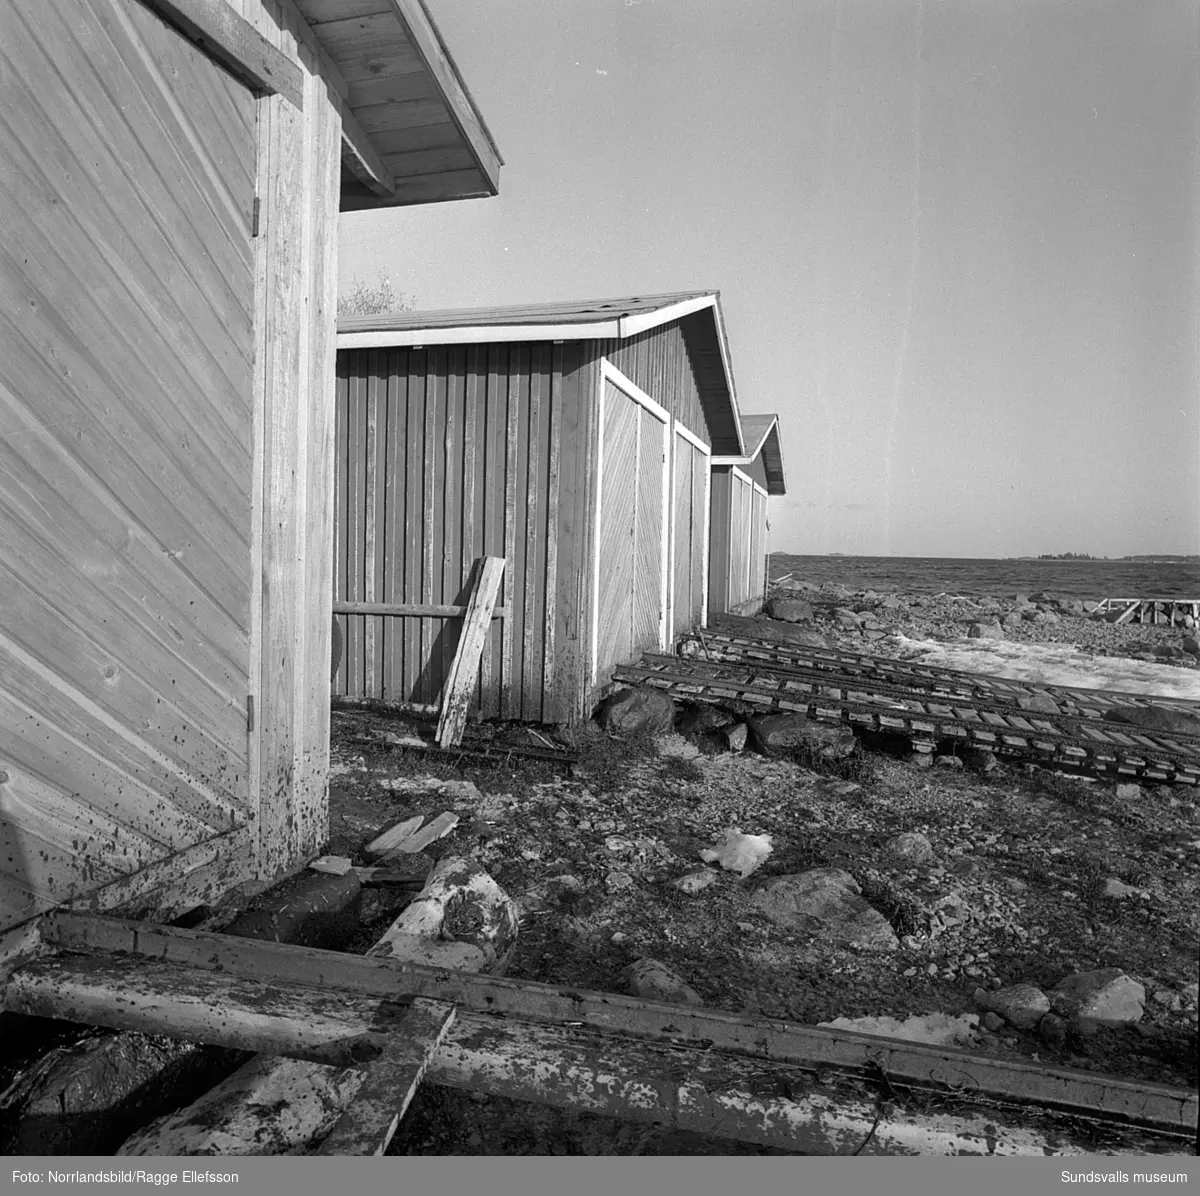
(447, 454)
(737, 537)
(126, 432)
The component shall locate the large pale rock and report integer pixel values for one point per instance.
(1106, 997)
(1021, 1005)
(781, 733)
(790, 610)
(640, 710)
(826, 902)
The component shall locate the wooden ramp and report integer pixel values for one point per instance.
(926, 704)
(1171, 611)
(805, 1089)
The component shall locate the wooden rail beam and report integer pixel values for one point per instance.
(766, 1040)
(693, 1088)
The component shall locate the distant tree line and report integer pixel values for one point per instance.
(1069, 556)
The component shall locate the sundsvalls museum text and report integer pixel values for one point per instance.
(154, 1178)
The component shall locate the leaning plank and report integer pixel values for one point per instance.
(693, 1089)
(915, 1064)
(369, 1124)
(461, 682)
(418, 840)
(386, 842)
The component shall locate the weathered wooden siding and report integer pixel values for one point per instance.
(658, 362)
(737, 568)
(126, 433)
(719, 539)
(445, 455)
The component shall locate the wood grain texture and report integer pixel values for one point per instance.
(460, 684)
(369, 1124)
(126, 432)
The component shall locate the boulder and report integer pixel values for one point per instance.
(948, 762)
(1155, 718)
(911, 846)
(979, 760)
(826, 902)
(656, 982)
(1038, 704)
(1190, 643)
(1021, 1005)
(1046, 617)
(985, 631)
(781, 733)
(790, 610)
(640, 710)
(1105, 997)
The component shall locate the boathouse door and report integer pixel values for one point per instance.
(629, 598)
(689, 532)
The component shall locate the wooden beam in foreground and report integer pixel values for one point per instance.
(465, 669)
(369, 1124)
(721, 1095)
(939, 1069)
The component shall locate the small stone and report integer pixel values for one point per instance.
(921, 759)
(735, 737)
(1129, 792)
(993, 1021)
(1052, 1030)
(619, 880)
(948, 762)
(1172, 1001)
(989, 1041)
(1022, 1005)
(1118, 890)
(910, 972)
(1190, 992)
(656, 982)
(931, 969)
(995, 983)
(911, 846)
(1014, 884)
(695, 882)
(619, 937)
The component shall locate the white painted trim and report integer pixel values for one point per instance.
(473, 334)
(759, 489)
(693, 439)
(399, 338)
(631, 325)
(704, 543)
(668, 514)
(737, 473)
(632, 389)
(596, 528)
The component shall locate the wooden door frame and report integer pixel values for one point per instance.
(610, 373)
(678, 429)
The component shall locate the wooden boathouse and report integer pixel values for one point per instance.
(741, 485)
(174, 171)
(571, 439)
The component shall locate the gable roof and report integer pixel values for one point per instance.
(411, 133)
(597, 319)
(760, 435)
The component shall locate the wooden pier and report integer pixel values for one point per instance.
(1173, 611)
(929, 706)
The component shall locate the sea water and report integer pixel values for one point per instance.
(997, 578)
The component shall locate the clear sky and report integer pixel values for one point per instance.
(956, 242)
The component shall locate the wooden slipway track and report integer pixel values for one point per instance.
(928, 705)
